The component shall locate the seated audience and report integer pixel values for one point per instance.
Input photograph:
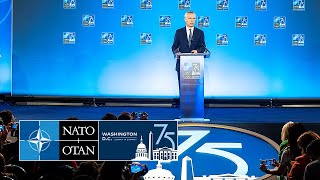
(125, 116)
(290, 153)
(297, 169)
(89, 168)
(109, 116)
(312, 170)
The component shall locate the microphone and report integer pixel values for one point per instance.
(176, 50)
(205, 48)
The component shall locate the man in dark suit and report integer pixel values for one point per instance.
(188, 39)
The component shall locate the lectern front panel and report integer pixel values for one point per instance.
(191, 87)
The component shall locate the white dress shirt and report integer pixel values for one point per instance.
(188, 32)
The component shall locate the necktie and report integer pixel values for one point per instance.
(190, 37)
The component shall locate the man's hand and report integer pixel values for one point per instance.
(194, 51)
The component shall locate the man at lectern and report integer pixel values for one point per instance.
(188, 39)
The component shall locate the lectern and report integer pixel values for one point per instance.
(192, 86)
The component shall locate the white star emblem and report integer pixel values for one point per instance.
(41, 138)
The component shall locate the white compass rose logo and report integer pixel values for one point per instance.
(39, 140)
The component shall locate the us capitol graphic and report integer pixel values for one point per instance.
(187, 173)
(161, 154)
(166, 154)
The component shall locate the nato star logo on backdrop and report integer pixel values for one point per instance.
(107, 38)
(222, 40)
(69, 4)
(88, 20)
(184, 4)
(203, 21)
(241, 21)
(107, 4)
(298, 40)
(69, 37)
(165, 21)
(145, 38)
(145, 4)
(223, 5)
(260, 40)
(279, 22)
(261, 5)
(126, 21)
(299, 5)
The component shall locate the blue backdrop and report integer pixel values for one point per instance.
(128, 66)
(5, 46)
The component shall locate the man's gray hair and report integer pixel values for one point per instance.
(189, 12)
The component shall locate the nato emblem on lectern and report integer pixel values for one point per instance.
(165, 21)
(298, 40)
(203, 21)
(88, 20)
(191, 70)
(222, 4)
(279, 22)
(298, 5)
(107, 38)
(107, 4)
(261, 5)
(69, 37)
(145, 38)
(241, 21)
(126, 21)
(145, 4)
(184, 4)
(260, 40)
(69, 4)
(222, 40)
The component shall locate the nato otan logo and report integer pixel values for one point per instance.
(39, 140)
(107, 4)
(261, 5)
(260, 40)
(191, 70)
(165, 21)
(203, 21)
(126, 21)
(69, 37)
(107, 38)
(145, 38)
(69, 4)
(298, 5)
(241, 21)
(88, 20)
(145, 4)
(222, 39)
(223, 5)
(298, 40)
(184, 4)
(279, 22)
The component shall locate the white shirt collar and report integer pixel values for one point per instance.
(187, 29)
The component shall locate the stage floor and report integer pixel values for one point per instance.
(254, 119)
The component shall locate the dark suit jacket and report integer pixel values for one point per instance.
(180, 43)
